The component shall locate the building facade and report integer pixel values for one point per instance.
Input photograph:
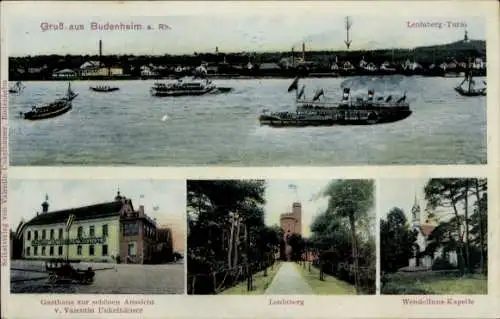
(422, 259)
(108, 232)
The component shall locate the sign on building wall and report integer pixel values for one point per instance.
(73, 241)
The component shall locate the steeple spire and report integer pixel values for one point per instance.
(415, 213)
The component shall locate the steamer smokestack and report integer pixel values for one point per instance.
(303, 51)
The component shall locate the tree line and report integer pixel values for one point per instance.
(343, 235)
(228, 241)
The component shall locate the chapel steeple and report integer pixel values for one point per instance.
(415, 213)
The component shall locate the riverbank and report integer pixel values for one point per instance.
(234, 77)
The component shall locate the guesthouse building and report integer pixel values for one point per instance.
(113, 231)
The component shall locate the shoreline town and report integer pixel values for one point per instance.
(446, 60)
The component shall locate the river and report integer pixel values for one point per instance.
(131, 127)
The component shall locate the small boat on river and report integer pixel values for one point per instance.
(470, 90)
(17, 88)
(104, 88)
(327, 112)
(53, 109)
(184, 88)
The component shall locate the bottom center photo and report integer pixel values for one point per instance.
(279, 237)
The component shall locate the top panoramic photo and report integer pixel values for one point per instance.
(290, 87)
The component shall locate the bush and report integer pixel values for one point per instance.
(442, 264)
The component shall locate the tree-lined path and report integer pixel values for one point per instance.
(288, 281)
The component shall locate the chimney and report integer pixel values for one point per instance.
(293, 57)
(100, 53)
(141, 210)
(303, 51)
(45, 205)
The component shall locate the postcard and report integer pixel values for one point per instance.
(254, 159)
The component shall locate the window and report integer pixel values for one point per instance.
(29, 235)
(130, 229)
(43, 251)
(79, 250)
(36, 234)
(60, 250)
(51, 250)
(60, 233)
(91, 250)
(28, 251)
(105, 230)
(80, 232)
(35, 251)
(104, 250)
(43, 234)
(51, 234)
(91, 231)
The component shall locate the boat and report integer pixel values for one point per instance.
(56, 108)
(104, 88)
(470, 90)
(17, 88)
(348, 111)
(183, 88)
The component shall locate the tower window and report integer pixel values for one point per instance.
(29, 234)
(43, 234)
(60, 233)
(51, 251)
(91, 250)
(36, 235)
(60, 250)
(104, 230)
(51, 234)
(43, 251)
(79, 250)
(80, 232)
(91, 231)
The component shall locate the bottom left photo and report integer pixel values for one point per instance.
(97, 236)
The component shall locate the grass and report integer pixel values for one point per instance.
(436, 284)
(330, 286)
(260, 283)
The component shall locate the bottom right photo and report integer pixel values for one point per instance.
(433, 236)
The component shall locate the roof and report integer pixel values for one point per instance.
(426, 230)
(81, 213)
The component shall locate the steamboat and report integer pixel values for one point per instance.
(183, 88)
(56, 108)
(327, 112)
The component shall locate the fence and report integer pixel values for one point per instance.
(217, 281)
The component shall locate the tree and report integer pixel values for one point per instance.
(396, 241)
(458, 232)
(351, 200)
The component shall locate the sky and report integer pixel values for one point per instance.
(279, 198)
(26, 196)
(235, 28)
(401, 193)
